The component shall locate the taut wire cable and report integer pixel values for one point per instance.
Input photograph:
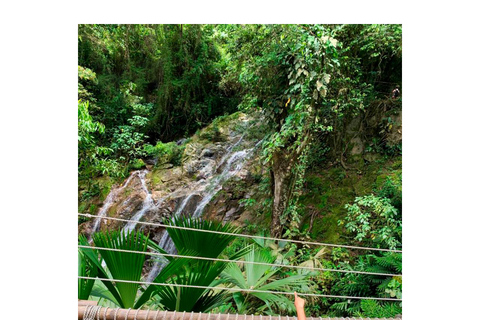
(240, 234)
(236, 261)
(237, 289)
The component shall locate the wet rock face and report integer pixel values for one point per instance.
(194, 188)
(207, 153)
(181, 141)
(231, 214)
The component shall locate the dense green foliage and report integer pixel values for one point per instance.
(145, 84)
(174, 68)
(310, 81)
(324, 95)
(374, 218)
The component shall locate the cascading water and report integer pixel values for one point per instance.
(216, 183)
(235, 163)
(211, 174)
(146, 206)
(166, 244)
(109, 201)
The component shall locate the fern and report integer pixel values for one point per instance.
(364, 285)
(374, 308)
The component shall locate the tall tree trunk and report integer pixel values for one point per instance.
(283, 182)
(282, 174)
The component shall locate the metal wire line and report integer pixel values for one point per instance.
(240, 234)
(237, 289)
(235, 261)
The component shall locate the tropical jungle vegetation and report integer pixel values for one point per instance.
(331, 159)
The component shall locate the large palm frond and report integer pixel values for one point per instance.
(260, 277)
(86, 268)
(204, 244)
(123, 265)
(185, 271)
(175, 266)
(190, 298)
(92, 256)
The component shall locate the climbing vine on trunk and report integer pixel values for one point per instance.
(287, 69)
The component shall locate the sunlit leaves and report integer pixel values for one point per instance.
(87, 74)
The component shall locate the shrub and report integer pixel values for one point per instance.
(374, 220)
(165, 152)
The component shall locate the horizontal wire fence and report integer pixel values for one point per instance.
(240, 234)
(237, 289)
(242, 261)
(251, 262)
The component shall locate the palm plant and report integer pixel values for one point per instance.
(185, 271)
(314, 261)
(280, 250)
(118, 265)
(85, 269)
(261, 277)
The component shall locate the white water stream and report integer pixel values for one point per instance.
(214, 175)
(109, 201)
(146, 205)
(235, 163)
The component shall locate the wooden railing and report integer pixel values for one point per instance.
(125, 314)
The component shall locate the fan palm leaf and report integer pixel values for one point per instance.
(260, 277)
(190, 298)
(185, 271)
(175, 266)
(204, 244)
(86, 269)
(92, 256)
(123, 265)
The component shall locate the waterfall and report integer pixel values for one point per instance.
(234, 164)
(146, 205)
(166, 243)
(211, 172)
(216, 184)
(109, 201)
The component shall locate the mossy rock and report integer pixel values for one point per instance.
(138, 164)
(329, 190)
